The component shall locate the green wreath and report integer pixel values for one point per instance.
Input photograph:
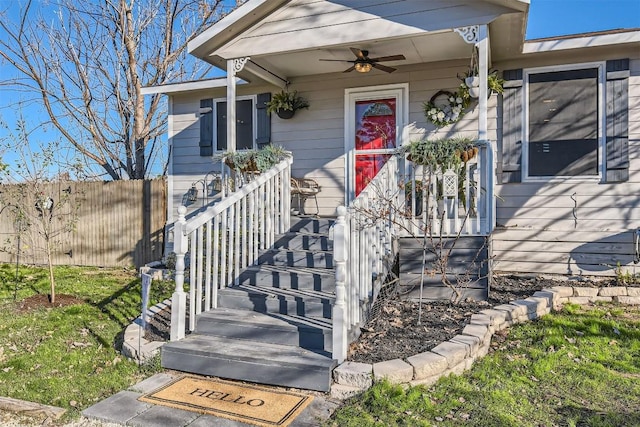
(448, 111)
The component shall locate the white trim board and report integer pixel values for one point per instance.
(600, 66)
(189, 86)
(401, 92)
(581, 42)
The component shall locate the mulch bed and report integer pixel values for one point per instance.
(37, 301)
(394, 332)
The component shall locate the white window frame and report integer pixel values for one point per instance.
(601, 67)
(254, 118)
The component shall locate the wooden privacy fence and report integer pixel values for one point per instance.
(114, 223)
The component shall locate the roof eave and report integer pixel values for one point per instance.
(242, 18)
(190, 86)
(582, 41)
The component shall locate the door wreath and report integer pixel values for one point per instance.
(445, 107)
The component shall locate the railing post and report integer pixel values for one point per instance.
(339, 313)
(179, 298)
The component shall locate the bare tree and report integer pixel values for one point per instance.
(37, 190)
(85, 62)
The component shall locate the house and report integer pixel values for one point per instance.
(553, 188)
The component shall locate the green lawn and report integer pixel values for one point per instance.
(68, 356)
(580, 367)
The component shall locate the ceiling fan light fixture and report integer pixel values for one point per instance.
(363, 67)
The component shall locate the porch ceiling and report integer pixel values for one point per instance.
(417, 49)
(291, 41)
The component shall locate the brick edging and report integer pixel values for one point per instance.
(458, 354)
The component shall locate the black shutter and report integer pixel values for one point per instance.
(617, 131)
(206, 127)
(510, 145)
(264, 120)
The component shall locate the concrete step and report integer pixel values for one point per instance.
(297, 302)
(249, 361)
(285, 277)
(311, 225)
(304, 241)
(297, 258)
(308, 333)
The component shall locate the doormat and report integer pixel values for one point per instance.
(250, 404)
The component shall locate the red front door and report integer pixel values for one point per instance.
(375, 133)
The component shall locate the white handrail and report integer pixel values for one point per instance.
(226, 238)
(362, 242)
(445, 203)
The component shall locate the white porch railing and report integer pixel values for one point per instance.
(363, 254)
(403, 199)
(226, 238)
(449, 202)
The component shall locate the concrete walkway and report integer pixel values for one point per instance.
(124, 408)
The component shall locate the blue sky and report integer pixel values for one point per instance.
(558, 17)
(546, 18)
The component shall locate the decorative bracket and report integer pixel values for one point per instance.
(469, 34)
(239, 63)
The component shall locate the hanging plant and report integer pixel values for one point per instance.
(285, 104)
(445, 108)
(471, 83)
(471, 80)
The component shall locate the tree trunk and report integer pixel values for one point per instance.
(52, 280)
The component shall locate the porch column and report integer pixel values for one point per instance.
(478, 35)
(233, 67)
(482, 45)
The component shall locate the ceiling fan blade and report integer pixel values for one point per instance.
(350, 69)
(361, 54)
(383, 67)
(388, 58)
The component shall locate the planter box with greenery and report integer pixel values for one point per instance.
(254, 160)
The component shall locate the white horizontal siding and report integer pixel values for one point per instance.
(315, 136)
(575, 227)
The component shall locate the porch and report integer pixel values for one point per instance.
(264, 297)
(299, 296)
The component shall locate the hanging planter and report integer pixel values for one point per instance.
(285, 104)
(471, 80)
(473, 86)
(285, 114)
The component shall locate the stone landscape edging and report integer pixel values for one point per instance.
(134, 346)
(458, 354)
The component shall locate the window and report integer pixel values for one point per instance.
(244, 125)
(563, 130)
(253, 125)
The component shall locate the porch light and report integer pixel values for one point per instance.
(363, 67)
(192, 194)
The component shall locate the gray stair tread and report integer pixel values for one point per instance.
(272, 321)
(328, 272)
(297, 251)
(320, 259)
(298, 240)
(246, 350)
(277, 292)
(311, 225)
(302, 233)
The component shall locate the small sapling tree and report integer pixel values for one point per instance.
(40, 199)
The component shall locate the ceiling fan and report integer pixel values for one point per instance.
(363, 63)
